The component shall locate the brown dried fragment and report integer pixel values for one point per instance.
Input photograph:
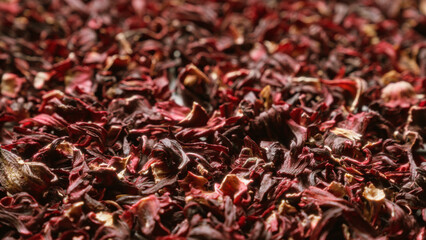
(337, 189)
(286, 208)
(376, 198)
(390, 77)
(266, 96)
(196, 118)
(19, 176)
(371, 193)
(11, 84)
(193, 75)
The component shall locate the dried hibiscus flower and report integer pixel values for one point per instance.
(167, 119)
